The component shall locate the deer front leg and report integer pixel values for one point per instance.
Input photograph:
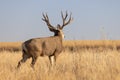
(52, 60)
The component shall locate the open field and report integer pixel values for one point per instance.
(81, 60)
(70, 45)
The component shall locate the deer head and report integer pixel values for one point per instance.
(57, 30)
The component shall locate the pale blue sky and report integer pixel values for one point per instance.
(21, 19)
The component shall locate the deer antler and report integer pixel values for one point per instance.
(46, 19)
(64, 19)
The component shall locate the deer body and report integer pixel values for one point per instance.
(47, 46)
(43, 46)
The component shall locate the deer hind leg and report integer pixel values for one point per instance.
(23, 60)
(34, 59)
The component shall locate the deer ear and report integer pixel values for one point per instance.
(59, 27)
(52, 29)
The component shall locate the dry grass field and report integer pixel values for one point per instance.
(80, 60)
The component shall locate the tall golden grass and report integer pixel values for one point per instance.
(83, 63)
(10, 46)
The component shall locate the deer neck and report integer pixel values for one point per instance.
(60, 36)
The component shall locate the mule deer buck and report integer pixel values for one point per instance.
(49, 46)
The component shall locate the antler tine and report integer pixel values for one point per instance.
(46, 19)
(66, 15)
(64, 18)
(70, 19)
(43, 17)
(62, 15)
